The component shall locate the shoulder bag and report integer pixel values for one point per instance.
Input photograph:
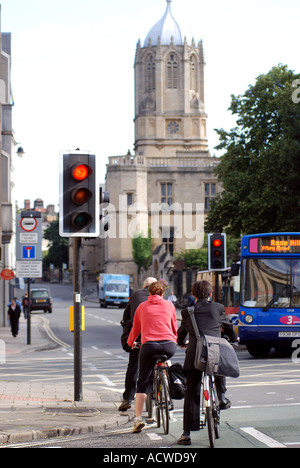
(214, 355)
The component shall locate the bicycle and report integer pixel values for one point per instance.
(210, 409)
(160, 399)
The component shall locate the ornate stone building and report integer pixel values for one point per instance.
(166, 186)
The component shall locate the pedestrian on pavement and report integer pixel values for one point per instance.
(210, 317)
(139, 296)
(13, 315)
(25, 305)
(156, 321)
(172, 298)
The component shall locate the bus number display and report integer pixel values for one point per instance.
(275, 244)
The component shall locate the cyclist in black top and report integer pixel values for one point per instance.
(210, 318)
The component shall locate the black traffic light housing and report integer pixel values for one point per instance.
(79, 195)
(104, 217)
(217, 252)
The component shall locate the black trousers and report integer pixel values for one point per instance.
(146, 363)
(131, 375)
(191, 409)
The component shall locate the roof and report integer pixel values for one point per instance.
(164, 29)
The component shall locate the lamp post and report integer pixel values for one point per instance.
(20, 152)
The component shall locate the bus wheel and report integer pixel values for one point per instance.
(259, 351)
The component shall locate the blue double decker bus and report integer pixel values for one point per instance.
(269, 312)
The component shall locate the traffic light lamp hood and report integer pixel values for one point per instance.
(79, 195)
(217, 252)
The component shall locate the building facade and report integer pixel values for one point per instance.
(6, 144)
(164, 188)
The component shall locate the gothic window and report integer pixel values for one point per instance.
(168, 239)
(129, 199)
(166, 194)
(193, 73)
(172, 72)
(150, 73)
(210, 193)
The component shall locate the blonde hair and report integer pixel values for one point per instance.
(149, 281)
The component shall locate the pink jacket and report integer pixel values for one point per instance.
(155, 320)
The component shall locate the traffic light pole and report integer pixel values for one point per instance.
(77, 242)
(217, 291)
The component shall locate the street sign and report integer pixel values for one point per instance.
(7, 274)
(29, 269)
(28, 252)
(28, 224)
(29, 245)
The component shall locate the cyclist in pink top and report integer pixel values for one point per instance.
(156, 321)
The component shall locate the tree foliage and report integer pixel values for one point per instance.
(142, 251)
(260, 168)
(58, 252)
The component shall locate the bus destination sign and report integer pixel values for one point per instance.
(275, 244)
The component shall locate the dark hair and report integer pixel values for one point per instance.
(202, 289)
(157, 288)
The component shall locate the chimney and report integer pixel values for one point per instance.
(27, 205)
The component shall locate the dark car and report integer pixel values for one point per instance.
(40, 299)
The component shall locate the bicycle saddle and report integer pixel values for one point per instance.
(160, 358)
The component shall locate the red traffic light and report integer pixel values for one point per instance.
(81, 172)
(79, 195)
(217, 252)
(217, 243)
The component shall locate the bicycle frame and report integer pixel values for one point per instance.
(160, 398)
(210, 412)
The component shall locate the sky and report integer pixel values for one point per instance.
(73, 75)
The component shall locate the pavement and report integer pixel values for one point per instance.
(37, 410)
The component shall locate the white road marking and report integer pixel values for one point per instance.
(104, 379)
(153, 436)
(261, 437)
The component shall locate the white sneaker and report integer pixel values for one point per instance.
(138, 425)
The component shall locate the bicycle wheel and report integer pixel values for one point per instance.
(213, 415)
(155, 402)
(163, 400)
(210, 426)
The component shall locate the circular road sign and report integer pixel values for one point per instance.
(28, 224)
(7, 274)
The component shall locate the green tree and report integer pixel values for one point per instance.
(58, 252)
(260, 168)
(142, 251)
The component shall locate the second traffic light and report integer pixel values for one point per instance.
(104, 217)
(217, 252)
(79, 195)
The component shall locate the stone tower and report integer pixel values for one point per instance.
(166, 186)
(169, 92)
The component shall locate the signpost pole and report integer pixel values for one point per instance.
(77, 242)
(28, 314)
